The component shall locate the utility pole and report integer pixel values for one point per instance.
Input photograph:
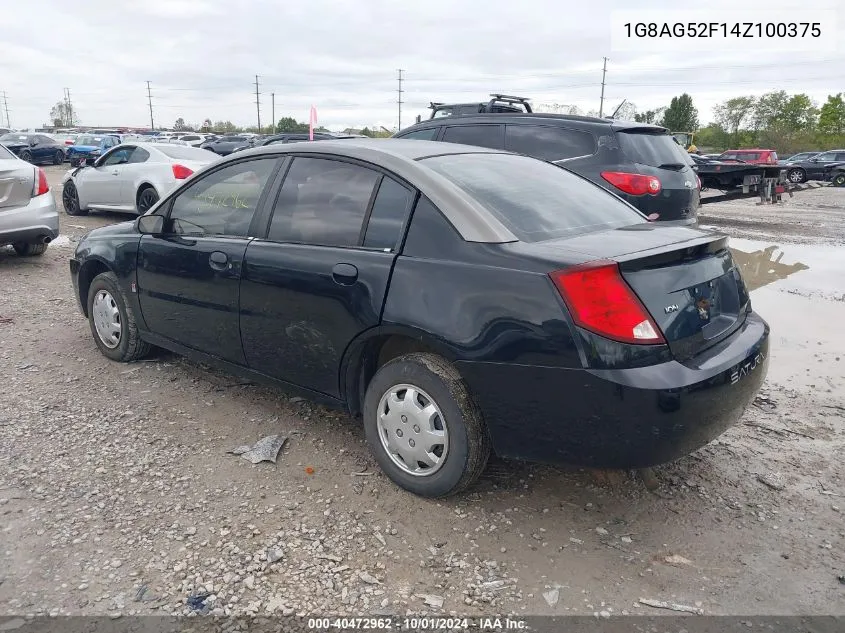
(150, 102)
(68, 108)
(273, 110)
(6, 106)
(603, 73)
(399, 98)
(257, 105)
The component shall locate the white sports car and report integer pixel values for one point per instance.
(130, 177)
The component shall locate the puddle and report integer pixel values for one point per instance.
(800, 290)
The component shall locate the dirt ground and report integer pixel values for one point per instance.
(117, 494)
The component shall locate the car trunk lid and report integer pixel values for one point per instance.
(686, 279)
(16, 183)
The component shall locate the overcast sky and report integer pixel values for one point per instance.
(201, 57)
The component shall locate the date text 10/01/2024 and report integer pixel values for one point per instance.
(748, 30)
(491, 624)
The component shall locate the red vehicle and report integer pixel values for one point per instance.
(750, 156)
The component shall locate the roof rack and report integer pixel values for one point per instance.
(510, 99)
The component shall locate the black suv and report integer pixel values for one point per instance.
(641, 163)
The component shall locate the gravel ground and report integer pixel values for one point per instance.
(117, 495)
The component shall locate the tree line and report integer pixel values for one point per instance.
(785, 122)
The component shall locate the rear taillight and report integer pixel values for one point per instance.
(40, 185)
(180, 172)
(601, 301)
(633, 184)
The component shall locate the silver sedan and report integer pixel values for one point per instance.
(28, 216)
(131, 177)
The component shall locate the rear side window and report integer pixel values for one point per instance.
(390, 210)
(480, 135)
(323, 202)
(535, 200)
(840, 156)
(548, 142)
(649, 148)
(422, 135)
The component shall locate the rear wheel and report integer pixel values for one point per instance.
(147, 197)
(58, 157)
(28, 249)
(423, 427)
(112, 323)
(26, 155)
(796, 176)
(839, 180)
(70, 200)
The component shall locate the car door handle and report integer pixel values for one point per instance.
(345, 274)
(218, 260)
(115, 173)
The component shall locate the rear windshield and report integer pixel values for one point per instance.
(535, 200)
(5, 154)
(185, 152)
(650, 148)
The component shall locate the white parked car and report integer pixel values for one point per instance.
(130, 177)
(193, 140)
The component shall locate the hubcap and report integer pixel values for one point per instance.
(148, 199)
(69, 198)
(412, 430)
(106, 319)
(795, 176)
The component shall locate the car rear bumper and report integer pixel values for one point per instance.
(628, 418)
(34, 222)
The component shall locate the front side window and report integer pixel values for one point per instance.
(422, 135)
(323, 202)
(118, 156)
(222, 202)
(826, 157)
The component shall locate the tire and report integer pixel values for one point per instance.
(70, 200)
(838, 180)
(467, 444)
(58, 157)
(113, 308)
(28, 249)
(26, 155)
(147, 197)
(796, 176)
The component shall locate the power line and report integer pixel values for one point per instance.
(257, 104)
(150, 102)
(399, 99)
(603, 73)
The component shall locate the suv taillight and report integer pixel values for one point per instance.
(634, 184)
(40, 186)
(601, 301)
(180, 172)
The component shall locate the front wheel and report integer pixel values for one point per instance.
(796, 176)
(58, 157)
(112, 323)
(838, 180)
(70, 200)
(423, 427)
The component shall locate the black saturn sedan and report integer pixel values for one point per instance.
(461, 300)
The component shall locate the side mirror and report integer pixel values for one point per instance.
(151, 224)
